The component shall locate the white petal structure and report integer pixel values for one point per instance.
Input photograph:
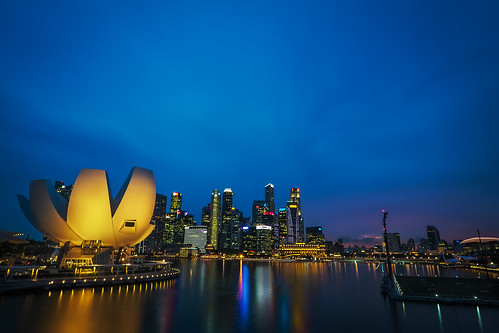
(91, 213)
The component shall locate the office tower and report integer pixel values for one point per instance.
(196, 236)
(154, 242)
(283, 226)
(215, 218)
(299, 231)
(248, 240)
(63, 190)
(294, 195)
(264, 239)
(174, 230)
(269, 197)
(433, 237)
(393, 242)
(225, 232)
(411, 245)
(259, 207)
(175, 202)
(315, 235)
(205, 218)
(236, 228)
(183, 219)
(293, 222)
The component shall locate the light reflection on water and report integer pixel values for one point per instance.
(229, 296)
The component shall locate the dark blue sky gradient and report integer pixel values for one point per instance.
(363, 105)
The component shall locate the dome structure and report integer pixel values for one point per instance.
(91, 214)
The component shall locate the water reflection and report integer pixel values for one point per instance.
(227, 296)
(479, 319)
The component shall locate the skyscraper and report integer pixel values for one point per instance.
(292, 222)
(315, 235)
(205, 216)
(175, 202)
(63, 190)
(215, 218)
(393, 242)
(269, 197)
(196, 236)
(299, 231)
(174, 228)
(283, 226)
(225, 232)
(236, 229)
(433, 237)
(259, 207)
(154, 242)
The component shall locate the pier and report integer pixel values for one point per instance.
(84, 277)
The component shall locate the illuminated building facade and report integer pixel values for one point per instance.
(196, 236)
(173, 230)
(248, 240)
(283, 226)
(205, 215)
(226, 228)
(154, 242)
(293, 222)
(259, 207)
(315, 235)
(257, 240)
(295, 196)
(215, 218)
(302, 250)
(91, 218)
(393, 242)
(236, 229)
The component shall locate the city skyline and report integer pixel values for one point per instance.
(362, 106)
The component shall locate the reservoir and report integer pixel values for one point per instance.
(248, 296)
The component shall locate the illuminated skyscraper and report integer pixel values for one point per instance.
(283, 226)
(215, 218)
(173, 231)
(236, 229)
(294, 196)
(154, 242)
(259, 207)
(393, 242)
(293, 222)
(225, 232)
(269, 197)
(205, 216)
(175, 202)
(433, 237)
(196, 236)
(315, 235)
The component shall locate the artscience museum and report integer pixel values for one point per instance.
(93, 227)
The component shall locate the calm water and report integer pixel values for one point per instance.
(234, 296)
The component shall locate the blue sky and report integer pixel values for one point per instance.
(363, 105)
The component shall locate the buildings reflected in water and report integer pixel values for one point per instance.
(227, 296)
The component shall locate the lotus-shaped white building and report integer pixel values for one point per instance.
(92, 216)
